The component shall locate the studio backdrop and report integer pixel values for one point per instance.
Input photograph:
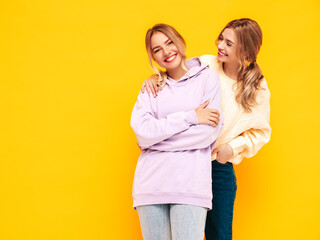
(70, 73)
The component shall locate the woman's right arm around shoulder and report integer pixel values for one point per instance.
(150, 85)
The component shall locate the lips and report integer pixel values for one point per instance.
(171, 58)
(221, 54)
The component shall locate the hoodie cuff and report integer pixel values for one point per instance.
(236, 145)
(192, 117)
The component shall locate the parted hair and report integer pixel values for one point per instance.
(175, 37)
(249, 38)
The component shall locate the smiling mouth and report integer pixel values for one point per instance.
(171, 58)
(221, 54)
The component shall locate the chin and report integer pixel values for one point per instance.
(173, 66)
(221, 59)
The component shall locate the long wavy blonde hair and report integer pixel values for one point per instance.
(175, 37)
(249, 38)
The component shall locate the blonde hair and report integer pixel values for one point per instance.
(249, 38)
(175, 37)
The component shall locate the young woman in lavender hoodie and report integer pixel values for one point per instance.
(246, 114)
(176, 132)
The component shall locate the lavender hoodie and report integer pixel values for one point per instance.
(175, 164)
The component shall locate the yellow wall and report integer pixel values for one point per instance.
(70, 72)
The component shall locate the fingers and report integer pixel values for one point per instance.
(156, 88)
(152, 86)
(203, 105)
(210, 122)
(213, 123)
(214, 120)
(213, 111)
(148, 89)
(214, 151)
(214, 115)
(151, 83)
(143, 86)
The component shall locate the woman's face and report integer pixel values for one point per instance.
(164, 52)
(227, 46)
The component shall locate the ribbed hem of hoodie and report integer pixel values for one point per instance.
(172, 198)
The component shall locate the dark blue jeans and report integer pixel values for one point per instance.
(224, 187)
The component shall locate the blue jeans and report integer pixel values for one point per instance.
(224, 187)
(172, 222)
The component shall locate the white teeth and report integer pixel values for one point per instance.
(170, 58)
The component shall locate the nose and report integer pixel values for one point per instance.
(220, 44)
(166, 51)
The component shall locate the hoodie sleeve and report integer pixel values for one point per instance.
(149, 130)
(248, 143)
(198, 136)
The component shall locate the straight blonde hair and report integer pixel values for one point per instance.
(175, 37)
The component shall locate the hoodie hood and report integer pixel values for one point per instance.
(195, 66)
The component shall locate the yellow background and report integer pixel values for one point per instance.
(70, 72)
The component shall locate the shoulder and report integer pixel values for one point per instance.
(210, 78)
(143, 97)
(207, 58)
(263, 94)
(212, 74)
(201, 70)
(210, 60)
(264, 91)
(264, 85)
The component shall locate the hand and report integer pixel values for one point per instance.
(224, 153)
(207, 115)
(150, 85)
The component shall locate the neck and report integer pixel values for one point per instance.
(177, 73)
(231, 70)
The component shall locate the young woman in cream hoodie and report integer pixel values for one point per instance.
(246, 114)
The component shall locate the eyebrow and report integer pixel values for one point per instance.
(159, 46)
